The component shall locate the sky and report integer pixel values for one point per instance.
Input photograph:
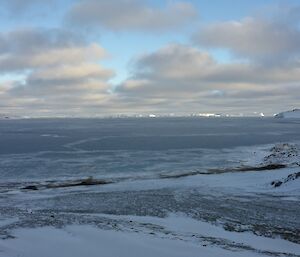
(83, 58)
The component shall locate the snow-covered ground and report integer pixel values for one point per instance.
(237, 213)
(174, 236)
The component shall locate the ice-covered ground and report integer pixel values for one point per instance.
(235, 211)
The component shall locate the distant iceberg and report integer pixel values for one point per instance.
(293, 114)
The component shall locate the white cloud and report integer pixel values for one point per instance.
(186, 77)
(131, 15)
(59, 71)
(275, 39)
(61, 74)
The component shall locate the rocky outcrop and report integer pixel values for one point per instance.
(285, 153)
(84, 182)
(291, 177)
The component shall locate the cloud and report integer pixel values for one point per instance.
(79, 71)
(186, 78)
(16, 8)
(31, 40)
(187, 63)
(18, 5)
(275, 39)
(60, 73)
(11, 62)
(121, 15)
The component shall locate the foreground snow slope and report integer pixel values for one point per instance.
(90, 241)
(79, 241)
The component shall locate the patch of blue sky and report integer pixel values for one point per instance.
(125, 47)
(15, 77)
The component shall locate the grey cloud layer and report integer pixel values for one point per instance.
(275, 39)
(186, 63)
(130, 15)
(28, 48)
(19, 9)
(17, 6)
(267, 77)
(189, 77)
(60, 71)
(29, 39)
(57, 71)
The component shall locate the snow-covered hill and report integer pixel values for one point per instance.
(294, 114)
